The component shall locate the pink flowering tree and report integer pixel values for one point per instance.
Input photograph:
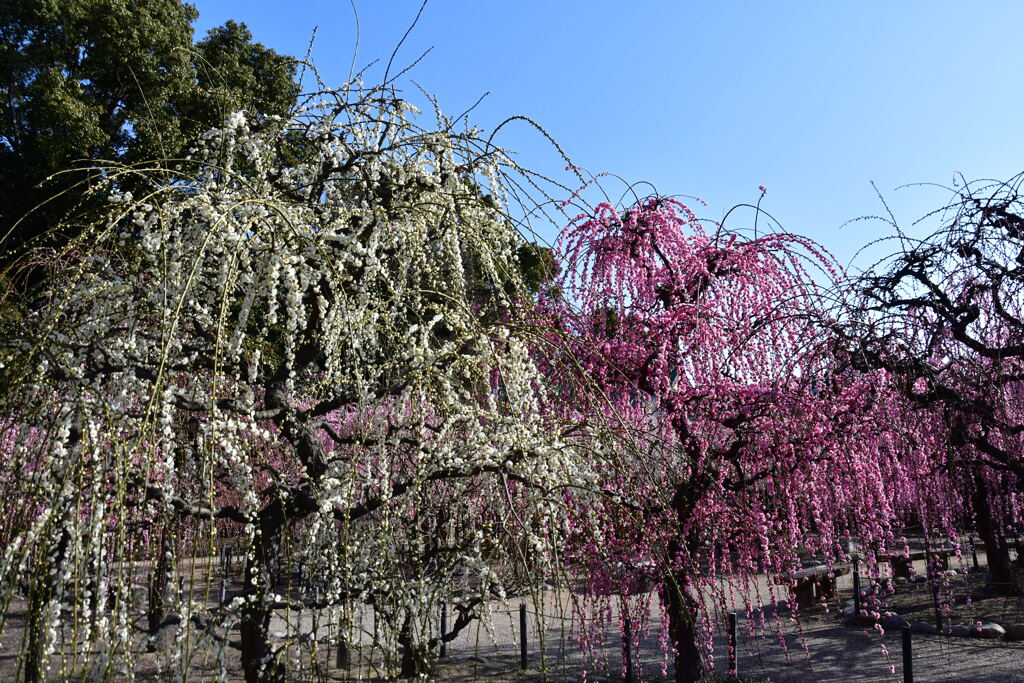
(732, 441)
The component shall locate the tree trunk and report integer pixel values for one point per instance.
(259, 662)
(39, 598)
(415, 655)
(1001, 575)
(161, 587)
(43, 589)
(682, 606)
(682, 626)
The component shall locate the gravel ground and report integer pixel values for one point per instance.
(818, 648)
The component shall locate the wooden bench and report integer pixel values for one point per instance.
(901, 563)
(811, 585)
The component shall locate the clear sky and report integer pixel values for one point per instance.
(813, 99)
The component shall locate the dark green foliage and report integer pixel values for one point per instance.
(537, 264)
(114, 80)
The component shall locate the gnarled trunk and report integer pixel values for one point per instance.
(259, 661)
(1002, 579)
(682, 625)
(39, 597)
(161, 586)
(415, 655)
(682, 606)
(44, 589)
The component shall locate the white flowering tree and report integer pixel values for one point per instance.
(311, 345)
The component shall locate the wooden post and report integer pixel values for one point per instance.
(908, 657)
(522, 635)
(974, 553)
(734, 659)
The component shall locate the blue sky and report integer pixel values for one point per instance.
(815, 100)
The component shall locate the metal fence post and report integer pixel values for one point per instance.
(908, 657)
(343, 658)
(856, 588)
(522, 635)
(444, 628)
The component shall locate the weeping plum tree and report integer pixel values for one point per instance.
(740, 443)
(943, 316)
(321, 356)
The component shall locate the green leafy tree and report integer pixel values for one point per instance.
(113, 80)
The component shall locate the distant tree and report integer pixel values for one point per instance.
(538, 266)
(114, 80)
